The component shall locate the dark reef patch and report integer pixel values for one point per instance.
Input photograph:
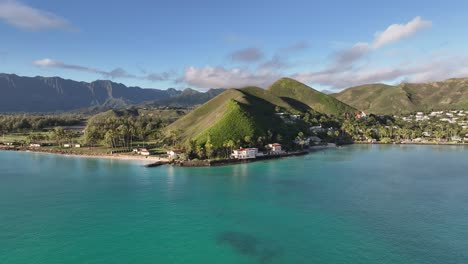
(249, 245)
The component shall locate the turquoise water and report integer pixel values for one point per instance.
(357, 204)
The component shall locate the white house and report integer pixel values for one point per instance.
(144, 152)
(174, 154)
(66, 145)
(275, 148)
(245, 153)
(141, 151)
(77, 146)
(35, 145)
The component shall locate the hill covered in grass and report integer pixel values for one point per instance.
(407, 97)
(249, 116)
(302, 96)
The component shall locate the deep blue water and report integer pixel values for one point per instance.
(357, 204)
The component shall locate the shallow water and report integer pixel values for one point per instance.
(357, 204)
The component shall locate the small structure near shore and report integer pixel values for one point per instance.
(275, 148)
(35, 145)
(245, 153)
(174, 154)
(141, 151)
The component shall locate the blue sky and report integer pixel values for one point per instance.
(208, 44)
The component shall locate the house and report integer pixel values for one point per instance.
(174, 154)
(275, 148)
(456, 138)
(141, 151)
(360, 115)
(67, 145)
(144, 152)
(77, 146)
(245, 153)
(35, 145)
(426, 134)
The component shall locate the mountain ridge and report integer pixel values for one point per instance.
(407, 97)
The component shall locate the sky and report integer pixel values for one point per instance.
(329, 45)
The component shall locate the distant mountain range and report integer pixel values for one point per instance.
(51, 94)
(54, 94)
(407, 97)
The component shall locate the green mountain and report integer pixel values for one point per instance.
(407, 97)
(302, 95)
(234, 114)
(249, 113)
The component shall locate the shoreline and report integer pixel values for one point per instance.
(411, 143)
(144, 160)
(153, 161)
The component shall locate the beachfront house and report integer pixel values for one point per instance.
(275, 148)
(245, 153)
(144, 152)
(456, 138)
(67, 145)
(77, 146)
(174, 154)
(35, 145)
(141, 151)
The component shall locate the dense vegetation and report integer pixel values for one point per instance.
(26, 122)
(121, 128)
(387, 129)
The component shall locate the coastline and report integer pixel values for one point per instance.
(153, 161)
(412, 143)
(144, 160)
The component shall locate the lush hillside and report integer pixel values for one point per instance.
(407, 97)
(236, 114)
(40, 94)
(301, 96)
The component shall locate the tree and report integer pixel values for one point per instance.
(209, 148)
(58, 134)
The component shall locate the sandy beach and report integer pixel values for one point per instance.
(144, 160)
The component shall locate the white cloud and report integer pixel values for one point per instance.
(113, 74)
(216, 77)
(398, 32)
(432, 69)
(23, 16)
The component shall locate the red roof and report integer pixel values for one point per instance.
(244, 149)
